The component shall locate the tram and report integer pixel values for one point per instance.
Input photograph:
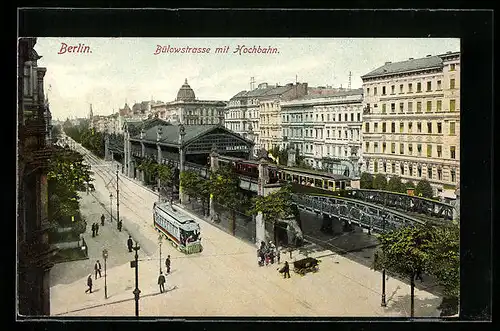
(181, 230)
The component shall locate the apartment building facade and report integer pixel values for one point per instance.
(270, 112)
(242, 113)
(326, 130)
(411, 121)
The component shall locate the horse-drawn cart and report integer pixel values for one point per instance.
(309, 264)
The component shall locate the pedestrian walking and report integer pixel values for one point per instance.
(120, 224)
(97, 229)
(102, 219)
(89, 284)
(93, 229)
(97, 268)
(278, 254)
(286, 270)
(130, 243)
(161, 282)
(167, 264)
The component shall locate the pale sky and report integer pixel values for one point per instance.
(126, 69)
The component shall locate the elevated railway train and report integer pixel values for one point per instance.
(305, 177)
(180, 229)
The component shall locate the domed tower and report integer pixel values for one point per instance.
(185, 93)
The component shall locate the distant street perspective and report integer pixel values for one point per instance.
(295, 199)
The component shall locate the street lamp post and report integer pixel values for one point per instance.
(160, 237)
(111, 206)
(383, 303)
(105, 257)
(117, 200)
(136, 291)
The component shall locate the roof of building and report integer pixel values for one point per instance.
(262, 91)
(405, 66)
(185, 93)
(339, 93)
(170, 133)
(134, 126)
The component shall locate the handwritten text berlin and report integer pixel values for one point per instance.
(81, 48)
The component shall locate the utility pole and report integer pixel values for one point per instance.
(117, 200)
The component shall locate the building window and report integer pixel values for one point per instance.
(393, 148)
(393, 107)
(401, 169)
(452, 67)
(410, 106)
(452, 83)
(439, 127)
(328, 117)
(438, 85)
(383, 90)
(410, 125)
(393, 89)
(375, 147)
(393, 127)
(410, 88)
(452, 128)
(401, 88)
(328, 133)
(439, 105)
(429, 127)
(401, 107)
(429, 150)
(375, 166)
(453, 175)
(419, 87)
(383, 108)
(419, 171)
(452, 105)
(429, 86)
(384, 148)
(383, 127)
(393, 167)
(367, 91)
(374, 91)
(419, 107)
(367, 146)
(401, 127)
(401, 148)
(352, 117)
(410, 170)
(439, 151)
(419, 127)
(419, 149)
(375, 128)
(367, 127)
(440, 174)
(410, 148)
(452, 152)
(429, 172)
(359, 117)
(429, 106)
(316, 117)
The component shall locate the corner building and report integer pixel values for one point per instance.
(411, 121)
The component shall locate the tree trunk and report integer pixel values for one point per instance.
(412, 295)
(233, 222)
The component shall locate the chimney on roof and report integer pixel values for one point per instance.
(449, 52)
(289, 84)
(428, 55)
(410, 58)
(388, 62)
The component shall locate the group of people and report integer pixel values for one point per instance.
(268, 253)
(97, 270)
(95, 229)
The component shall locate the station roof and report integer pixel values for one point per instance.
(170, 134)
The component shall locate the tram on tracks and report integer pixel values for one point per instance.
(180, 229)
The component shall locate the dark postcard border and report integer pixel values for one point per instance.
(473, 27)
